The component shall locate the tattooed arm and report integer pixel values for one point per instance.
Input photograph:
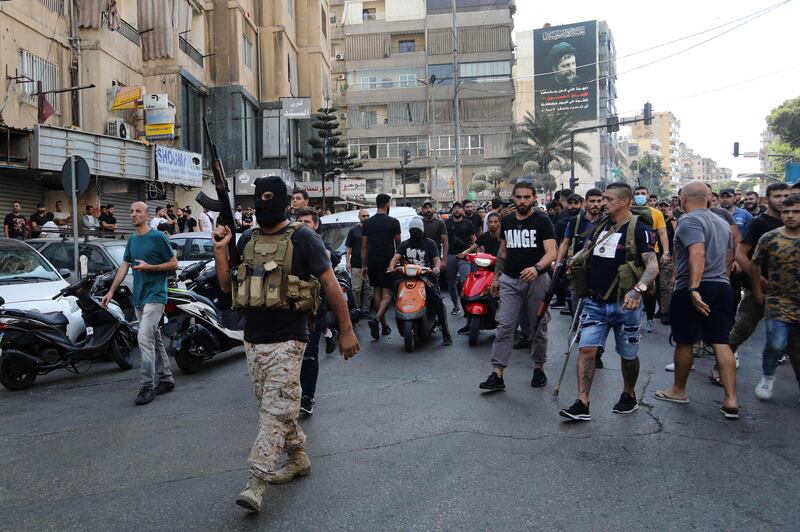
(634, 297)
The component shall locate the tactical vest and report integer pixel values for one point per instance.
(264, 280)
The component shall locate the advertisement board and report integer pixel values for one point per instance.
(159, 131)
(352, 187)
(296, 108)
(565, 69)
(314, 188)
(179, 167)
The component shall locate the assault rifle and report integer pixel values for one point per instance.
(222, 204)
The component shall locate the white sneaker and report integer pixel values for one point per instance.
(671, 366)
(764, 388)
(783, 359)
(736, 358)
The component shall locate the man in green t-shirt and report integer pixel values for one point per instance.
(149, 254)
(779, 251)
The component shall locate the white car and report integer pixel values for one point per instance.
(29, 282)
(191, 248)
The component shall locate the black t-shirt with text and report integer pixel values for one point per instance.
(490, 244)
(421, 255)
(607, 256)
(458, 235)
(758, 226)
(38, 219)
(380, 230)
(271, 326)
(354, 243)
(16, 225)
(524, 240)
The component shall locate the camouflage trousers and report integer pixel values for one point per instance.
(275, 373)
(664, 290)
(748, 314)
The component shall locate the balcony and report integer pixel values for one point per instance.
(193, 53)
(130, 33)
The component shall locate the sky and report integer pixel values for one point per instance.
(765, 49)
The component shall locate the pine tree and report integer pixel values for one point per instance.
(329, 155)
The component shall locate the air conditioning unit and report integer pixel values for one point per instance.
(116, 127)
(341, 77)
(394, 191)
(422, 188)
(306, 176)
(342, 116)
(340, 57)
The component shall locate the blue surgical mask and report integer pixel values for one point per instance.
(640, 200)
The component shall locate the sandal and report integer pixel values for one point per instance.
(662, 395)
(729, 413)
(716, 381)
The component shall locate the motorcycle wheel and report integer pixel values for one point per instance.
(474, 330)
(16, 374)
(121, 350)
(189, 364)
(409, 337)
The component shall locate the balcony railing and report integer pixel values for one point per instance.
(193, 53)
(54, 5)
(129, 32)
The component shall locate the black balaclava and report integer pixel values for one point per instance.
(416, 237)
(272, 212)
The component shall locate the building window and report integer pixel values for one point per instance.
(407, 46)
(408, 80)
(388, 147)
(192, 110)
(385, 78)
(290, 7)
(374, 186)
(470, 145)
(484, 72)
(247, 52)
(324, 22)
(369, 82)
(368, 14)
(443, 73)
(38, 69)
(248, 114)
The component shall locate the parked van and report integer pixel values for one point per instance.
(336, 226)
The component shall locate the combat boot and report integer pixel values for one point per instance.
(297, 465)
(250, 498)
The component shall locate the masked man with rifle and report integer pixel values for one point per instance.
(277, 287)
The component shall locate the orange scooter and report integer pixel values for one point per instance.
(416, 320)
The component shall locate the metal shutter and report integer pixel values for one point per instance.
(24, 189)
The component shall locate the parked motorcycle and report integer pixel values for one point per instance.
(199, 321)
(346, 284)
(34, 344)
(416, 320)
(480, 307)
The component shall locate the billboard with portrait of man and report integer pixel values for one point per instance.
(565, 69)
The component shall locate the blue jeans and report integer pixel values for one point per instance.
(456, 269)
(782, 337)
(598, 318)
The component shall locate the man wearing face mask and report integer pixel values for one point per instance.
(277, 287)
(640, 196)
(422, 251)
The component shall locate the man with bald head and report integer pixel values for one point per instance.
(702, 306)
(149, 254)
(362, 291)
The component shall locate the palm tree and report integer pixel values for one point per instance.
(544, 139)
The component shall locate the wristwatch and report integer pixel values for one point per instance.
(538, 268)
(641, 288)
(690, 290)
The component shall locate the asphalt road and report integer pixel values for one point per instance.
(406, 442)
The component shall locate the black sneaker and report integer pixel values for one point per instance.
(524, 342)
(454, 312)
(165, 387)
(493, 383)
(386, 330)
(464, 329)
(331, 342)
(307, 405)
(374, 328)
(577, 412)
(566, 312)
(626, 404)
(539, 379)
(146, 395)
(447, 340)
(559, 304)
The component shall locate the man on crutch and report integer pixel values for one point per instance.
(527, 248)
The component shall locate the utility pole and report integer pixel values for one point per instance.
(456, 120)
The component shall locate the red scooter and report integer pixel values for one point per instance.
(480, 307)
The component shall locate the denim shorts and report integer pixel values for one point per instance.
(598, 318)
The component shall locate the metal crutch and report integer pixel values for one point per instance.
(574, 333)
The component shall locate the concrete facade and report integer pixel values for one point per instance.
(667, 130)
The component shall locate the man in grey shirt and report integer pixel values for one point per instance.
(702, 306)
(435, 229)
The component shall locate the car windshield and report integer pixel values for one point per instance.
(117, 253)
(336, 235)
(21, 264)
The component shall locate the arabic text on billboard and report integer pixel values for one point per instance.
(565, 66)
(296, 108)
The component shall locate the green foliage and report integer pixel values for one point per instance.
(728, 183)
(779, 147)
(329, 156)
(648, 172)
(543, 138)
(784, 121)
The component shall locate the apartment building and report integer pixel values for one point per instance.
(593, 45)
(667, 129)
(394, 85)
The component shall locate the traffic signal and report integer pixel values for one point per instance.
(648, 113)
(612, 124)
(406, 156)
(735, 149)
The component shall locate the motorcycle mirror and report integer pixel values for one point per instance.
(2, 301)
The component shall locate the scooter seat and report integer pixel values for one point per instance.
(207, 301)
(56, 319)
